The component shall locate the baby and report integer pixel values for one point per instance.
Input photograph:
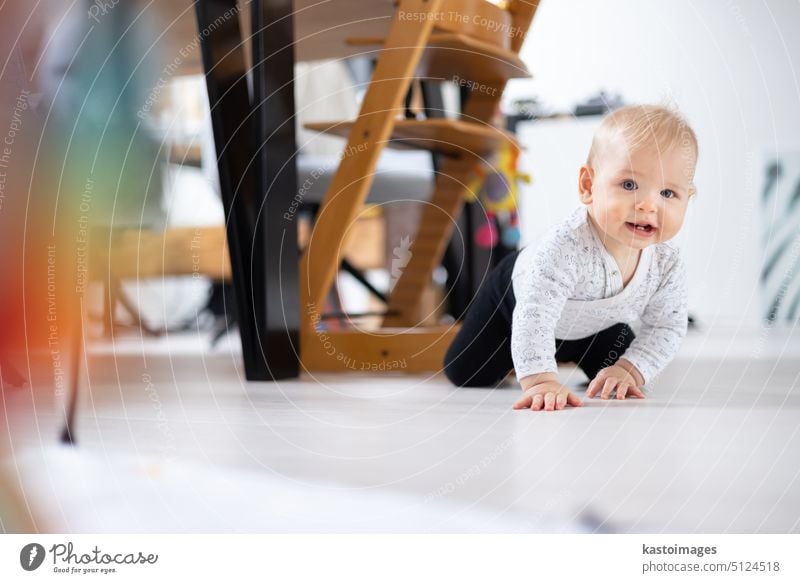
(608, 264)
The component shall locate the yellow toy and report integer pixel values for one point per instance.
(496, 189)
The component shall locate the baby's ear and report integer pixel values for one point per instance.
(692, 190)
(585, 181)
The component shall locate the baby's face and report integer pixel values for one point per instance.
(638, 198)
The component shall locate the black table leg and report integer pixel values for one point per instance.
(255, 185)
(276, 272)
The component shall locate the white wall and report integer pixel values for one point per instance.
(731, 67)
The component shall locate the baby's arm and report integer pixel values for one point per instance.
(664, 324)
(542, 284)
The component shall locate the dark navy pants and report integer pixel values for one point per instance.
(480, 355)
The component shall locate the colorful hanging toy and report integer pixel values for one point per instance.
(496, 188)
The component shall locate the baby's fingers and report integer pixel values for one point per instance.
(574, 400)
(596, 383)
(609, 386)
(524, 402)
(636, 392)
(549, 401)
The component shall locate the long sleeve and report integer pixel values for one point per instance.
(542, 283)
(664, 323)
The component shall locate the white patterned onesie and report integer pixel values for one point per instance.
(570, 287)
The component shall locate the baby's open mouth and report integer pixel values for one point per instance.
(643, 229)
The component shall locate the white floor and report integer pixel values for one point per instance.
(172, 439)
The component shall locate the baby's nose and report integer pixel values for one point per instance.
(648, 202)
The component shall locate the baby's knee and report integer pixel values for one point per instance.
(462, 376)
(454, 373)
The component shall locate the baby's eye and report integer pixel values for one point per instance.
(668, 193)
(629, 185)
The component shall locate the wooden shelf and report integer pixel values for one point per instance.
(446, 136)
(449, 57)
(140, 254)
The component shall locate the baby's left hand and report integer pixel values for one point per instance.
(614, 377)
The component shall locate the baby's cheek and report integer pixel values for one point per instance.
(675, 224)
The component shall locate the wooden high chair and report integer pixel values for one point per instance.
(474, 43)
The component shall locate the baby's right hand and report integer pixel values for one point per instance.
(547, 396)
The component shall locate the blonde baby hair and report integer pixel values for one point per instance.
(646, 125)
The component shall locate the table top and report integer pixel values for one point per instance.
(321, 26)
